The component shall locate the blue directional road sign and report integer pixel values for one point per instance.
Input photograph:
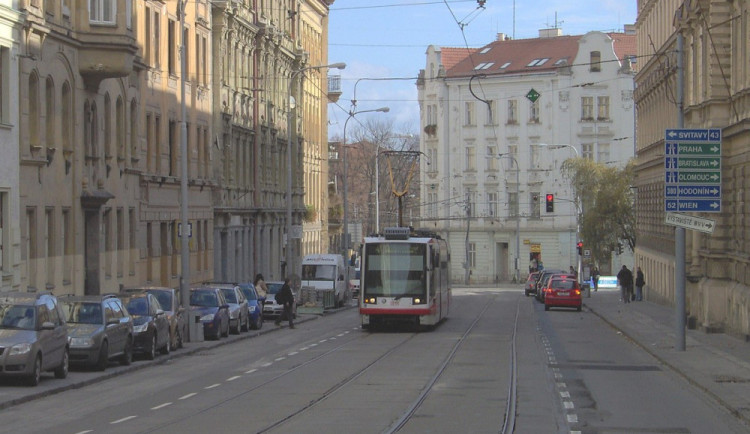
(692, 170)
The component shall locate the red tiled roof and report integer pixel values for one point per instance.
(518, 54)
(449, 56)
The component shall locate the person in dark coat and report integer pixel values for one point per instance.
(595, 278)
(625, 279)
(285, 297)
(640, 281)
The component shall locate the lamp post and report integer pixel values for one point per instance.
(185, 224)
(289, 167)
(345, 243)
(575, 204)
(518, 214)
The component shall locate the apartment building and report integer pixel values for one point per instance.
(498, 122)
(716, 70)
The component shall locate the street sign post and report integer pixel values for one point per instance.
(690, 222)
(692, 163)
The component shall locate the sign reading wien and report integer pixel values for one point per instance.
(692, 163)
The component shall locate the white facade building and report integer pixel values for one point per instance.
(480, 118)
(10, 233)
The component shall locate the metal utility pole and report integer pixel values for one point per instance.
(185, 232)
(679, 233)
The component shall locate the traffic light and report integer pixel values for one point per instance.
(580, 247)
(550, 202)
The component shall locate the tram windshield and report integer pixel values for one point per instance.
(394, 269)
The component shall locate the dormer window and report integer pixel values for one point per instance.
(595, 61)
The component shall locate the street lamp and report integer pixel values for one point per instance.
(292, 104)
(575, 203)
(346, 205)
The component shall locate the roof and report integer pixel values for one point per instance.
(520, 56)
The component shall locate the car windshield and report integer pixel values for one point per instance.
(79, 312)
(273, 288)
(249, 293)
(137, 306)
(165, 299)
(17, 317)
(230, 295)
(204, 299)
(319, 272)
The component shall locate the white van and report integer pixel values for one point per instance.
(327, 271)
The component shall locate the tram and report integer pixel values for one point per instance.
(405, 278)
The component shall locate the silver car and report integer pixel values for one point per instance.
(271, 309)
(33, 336)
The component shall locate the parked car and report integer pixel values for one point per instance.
(544, 275)
(100, 329)
(33, 336)
(209, 304)
(563, 291)
(271, 309)
(170, 301)
(254, 305)
(239, 312)
(548, 278)
(150, 324)
(530, 286)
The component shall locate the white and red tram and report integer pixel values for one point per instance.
(404, 279)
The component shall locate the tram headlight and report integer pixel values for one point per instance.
(417, 300)
(370, 300)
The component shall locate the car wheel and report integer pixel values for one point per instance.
(236, 330)
(151, 352)
(259, 322)
(127, 355)
(167, 348)
(101, 362)
(62, 370)
(578, 308)
(36, 373)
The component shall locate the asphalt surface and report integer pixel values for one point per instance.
(717, 364)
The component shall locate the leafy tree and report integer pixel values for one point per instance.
(606, 216)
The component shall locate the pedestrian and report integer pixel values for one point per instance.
(260, 286)
(625, 279)
(285, 297)
(595, 278)
(639, 282)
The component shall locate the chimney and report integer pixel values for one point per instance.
(502, 37)
(550, 33)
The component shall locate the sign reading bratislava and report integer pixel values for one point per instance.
(692, 163)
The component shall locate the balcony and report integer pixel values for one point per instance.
(334, 88)
(108, 45)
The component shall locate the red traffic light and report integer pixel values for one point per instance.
(579, 246)
(550, 202)
(550, 197)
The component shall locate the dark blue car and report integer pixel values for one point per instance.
(213, 309)
(255, 304)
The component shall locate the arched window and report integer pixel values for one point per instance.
(34, 110)
(120, 129)
(67, 118)
(49, 112)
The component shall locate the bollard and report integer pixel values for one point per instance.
(586, 289)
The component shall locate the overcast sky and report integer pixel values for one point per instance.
(387, 39)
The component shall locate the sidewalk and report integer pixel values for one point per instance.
(718, 364)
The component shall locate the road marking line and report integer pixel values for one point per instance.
(313, 345)
(568, 405)
(323, 341)
(189, 395)
(565, 394)
(304, 349)
(279, 359)
(84, 432)
(212, 386)
(265, 365)
(340, 334)
(233, 378)
(122, 420)
(250, 371)
(562, 385)
(293, 353)
(572, 418)
(166, 404)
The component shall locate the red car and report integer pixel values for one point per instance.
(562, 292)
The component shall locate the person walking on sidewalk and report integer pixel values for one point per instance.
(640, 281)
(285, 297)
(625, 279)
(595, 277)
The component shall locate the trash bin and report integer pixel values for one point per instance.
(196, 328)
(586, 289)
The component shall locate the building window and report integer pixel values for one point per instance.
(534, 112)
(492, 159)
(49, 104)
(472, 255)
(108, 240)
(172, 47)
(471, 203)
(67, 241)
(33, 110)
(603, 153)
(595, 62)
(492, 204)
(513, 111)
(3, 233)
(534, 157)
(491, 113)
(432, 160)
(31, 247)
(587, 108)
(469, 113)
(49, 245)
(587, 150)
(471, 160)
(534, 204)
(432, 205)
(602, 107)
(4, 76)
(120, 241)
(513, 204)
(103, 11)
